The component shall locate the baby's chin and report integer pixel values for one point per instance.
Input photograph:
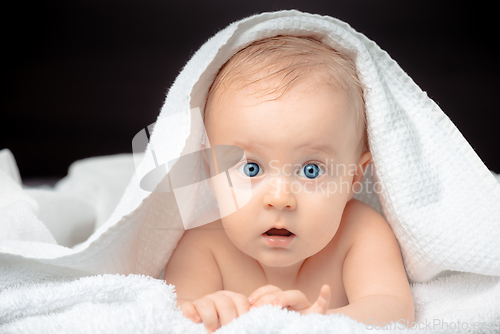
(279, 258)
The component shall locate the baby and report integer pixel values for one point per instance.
(296, 107)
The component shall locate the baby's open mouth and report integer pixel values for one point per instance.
(282, 232)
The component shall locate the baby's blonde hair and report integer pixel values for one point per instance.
(285, 59)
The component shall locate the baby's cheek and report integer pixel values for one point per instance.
(323, 215)
(239, 228)
(325, 230)
(325, 202)
(332, 188)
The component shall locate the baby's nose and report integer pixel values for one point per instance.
(280, 196)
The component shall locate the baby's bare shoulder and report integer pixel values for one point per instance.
(194, 259)
(361, 221)
(205, 236)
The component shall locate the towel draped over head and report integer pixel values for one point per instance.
(438, 197)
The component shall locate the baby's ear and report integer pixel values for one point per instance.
(365, 159)
(362, 164)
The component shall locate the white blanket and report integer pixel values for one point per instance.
(58, 303)
(440, 200)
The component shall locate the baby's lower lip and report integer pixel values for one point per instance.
(278, 240)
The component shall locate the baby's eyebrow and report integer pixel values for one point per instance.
(325, 148)
(251, 146)
(255, 147)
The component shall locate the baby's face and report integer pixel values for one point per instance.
(300, 153)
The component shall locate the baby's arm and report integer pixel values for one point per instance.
(373, 273)
(190, 261)
(196, 276)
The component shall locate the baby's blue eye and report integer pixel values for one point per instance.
(251, 169)
(311, 171)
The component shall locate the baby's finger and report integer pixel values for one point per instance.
(240, 301)
(264, 290)
(293, 299)
(322, 303)
(225, 309)
(207, 313)
(266, 299)
(190, 312)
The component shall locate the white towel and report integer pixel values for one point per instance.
(440, 200)
(65, 303)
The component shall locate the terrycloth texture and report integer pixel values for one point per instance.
(440, 200)
(139, 304)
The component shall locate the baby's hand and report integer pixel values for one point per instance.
(217, 308)
(292, 299)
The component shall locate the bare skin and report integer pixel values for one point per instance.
(294, 244)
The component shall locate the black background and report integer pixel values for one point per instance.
(83, 77)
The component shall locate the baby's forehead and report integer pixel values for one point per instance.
(237, 115)
(259, 85)
(309, 100)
